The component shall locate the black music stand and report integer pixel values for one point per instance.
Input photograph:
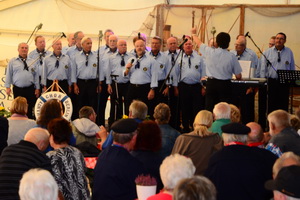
(289, 77)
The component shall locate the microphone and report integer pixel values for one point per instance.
(139, 35)
(247, 34)
(185, 40)
(100, 34)
(63, 35)
(39, 26)
(183, 37)
(213, 30)
(132, 60)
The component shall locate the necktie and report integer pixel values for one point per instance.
(57, 61)
(87, 58)
(173, 59)
(25, 64)
(42, 54)
(137, 65)
(238, 57)
(189, 61)
(279, 58)
(122, 60)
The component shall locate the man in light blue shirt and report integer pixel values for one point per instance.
(117, 82)
(77, 47)
(220, 66)
(22, 73)
(71, 42)
(243, 96)
(142, 73)
(281, 58)
(57, 66)
(85, 75)
(189, 73)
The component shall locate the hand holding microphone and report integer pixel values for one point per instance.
(129, 65)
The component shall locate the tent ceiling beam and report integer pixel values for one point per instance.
(9, 3)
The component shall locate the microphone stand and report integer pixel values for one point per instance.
(35, 30)
(98, 70)
(269, 64)
(114, 78)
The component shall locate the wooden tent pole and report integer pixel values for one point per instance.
(242, 19)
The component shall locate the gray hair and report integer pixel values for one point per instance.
(280, 162)
(222, 110)
(38, 184)
(138, 109)
(228, 138)
(174, 168)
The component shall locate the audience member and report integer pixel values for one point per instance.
(116, 169)
(256, 135)
(67, 162)
(222, 115)
(286, 184)
(199, 140)
(173, 169)
(287, 159)
(235, 114)
(85, 128)
(195, 188)
(162, 116)
(239, 171)
(19, 158)
(137, 110)
(284, 137)
(146, 149)
(18, 123)
(3, 133)
(38, 184)
(295, 122)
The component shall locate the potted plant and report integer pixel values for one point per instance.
(145, 186)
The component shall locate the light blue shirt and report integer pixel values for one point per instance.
(62, 72)
(173, 77)
(248, 55)
(146, 73)
(81, 71)
(220, 63)
(18, 76)
(36, 56)
(115, 68)
(190, 73)
(65, 49)
(286, 62)
(164, 66)
(72, 51)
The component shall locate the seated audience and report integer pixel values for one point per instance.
(162, 116)
(287, 159)
(18, 123)
(284, 137)
(200, 140)
(173, 169)
(256, 135)
(237, 170)
(116, 168)
(146, 149)
(235, 114)
(67, 162)
(295, 122)
(286, 184)
(195, 188)
(85, 128)
(38, 184)
(21, 157)
(222, 115)
(137, 110)
(3, 133)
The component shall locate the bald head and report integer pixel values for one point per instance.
(39, 137)
(122, 46)
(256, 134)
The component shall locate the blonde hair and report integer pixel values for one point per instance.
(235, 115)
(19, 106)
(202, 122)
(280, 118)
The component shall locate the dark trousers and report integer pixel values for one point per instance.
(139, 92)
(87, 93)
(217, 91)
(118, 102)
(175, 110)
(277, 97)
(28, 93)
(245, 102)
(102, 104)
(63, 84)
(190, 100)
